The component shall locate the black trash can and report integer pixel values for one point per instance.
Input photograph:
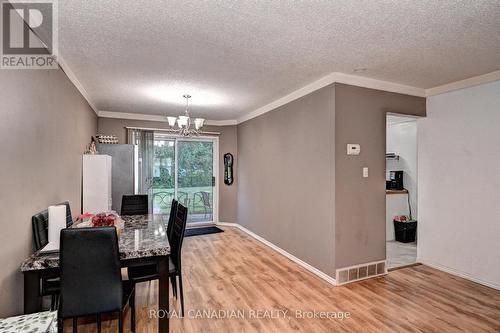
(405, 232)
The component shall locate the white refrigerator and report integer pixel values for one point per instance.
(97, 188)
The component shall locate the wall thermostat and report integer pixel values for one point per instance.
(353, 149)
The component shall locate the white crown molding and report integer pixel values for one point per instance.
(153, 117)
(72, 77)
(470, 82)
(366, 82)
(228, 122)
(65, 68)
(323, 82)
(335, 77)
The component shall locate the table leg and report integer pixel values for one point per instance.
(163, 296)
(32, 297)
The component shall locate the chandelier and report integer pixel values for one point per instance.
(186, 126)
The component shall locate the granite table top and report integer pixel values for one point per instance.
(40, 322)
(142, 236)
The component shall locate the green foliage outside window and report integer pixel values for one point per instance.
(195, 163)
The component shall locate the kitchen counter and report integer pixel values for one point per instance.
(396, 191)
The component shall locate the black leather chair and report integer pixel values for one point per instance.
(174, 266)
(137, 204)
(173, 212)
(69, 217)
(148, 272)
(175, 258)
(40, 224)
(91, 281)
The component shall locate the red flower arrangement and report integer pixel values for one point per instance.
(104, 220)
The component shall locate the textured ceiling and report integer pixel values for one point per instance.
(235, 56)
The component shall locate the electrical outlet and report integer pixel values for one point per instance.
(365, 172)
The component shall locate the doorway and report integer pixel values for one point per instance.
(185, 169)
(401, 190)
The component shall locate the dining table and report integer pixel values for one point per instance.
(142, 240)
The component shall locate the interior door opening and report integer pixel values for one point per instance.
(401, 191)
(185, 169)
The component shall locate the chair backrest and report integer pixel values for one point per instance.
(205, 196)
(178, 229)
(182, 211)
(69, 217)
(40, 226)
(136, 204)
(162, 198)
(90, 272)
(183, 197)
(173, 212)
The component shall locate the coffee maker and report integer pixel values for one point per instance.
(395, 181)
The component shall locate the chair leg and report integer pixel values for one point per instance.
(52, 302)
(98, 323)
(75, 324)
(120, 322)
(173, 280)
(132, 312)
(60, 325)
(181, 292)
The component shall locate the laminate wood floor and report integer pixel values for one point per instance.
(236, 274)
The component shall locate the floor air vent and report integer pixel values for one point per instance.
(360, 272)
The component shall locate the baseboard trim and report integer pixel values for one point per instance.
(458, 273)
(290, 256)
(227, 224)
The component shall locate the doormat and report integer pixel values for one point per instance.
(202, 231)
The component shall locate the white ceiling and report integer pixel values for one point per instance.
(236, 56)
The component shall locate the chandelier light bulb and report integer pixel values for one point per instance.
(171, 121)
(198, 123)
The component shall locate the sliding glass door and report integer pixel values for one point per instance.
(163, 190)
(196, 178)
(185, 169)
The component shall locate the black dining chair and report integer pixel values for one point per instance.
(50, 286)
(40, 226)
(136, 204)
(175, 258)
(148, 272)
(174, 265)
(91, 282)
(173, 212)
(69, 217)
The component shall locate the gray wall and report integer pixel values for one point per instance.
(45, 125)
(360, 117)
(286, 177)
(227, 144)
